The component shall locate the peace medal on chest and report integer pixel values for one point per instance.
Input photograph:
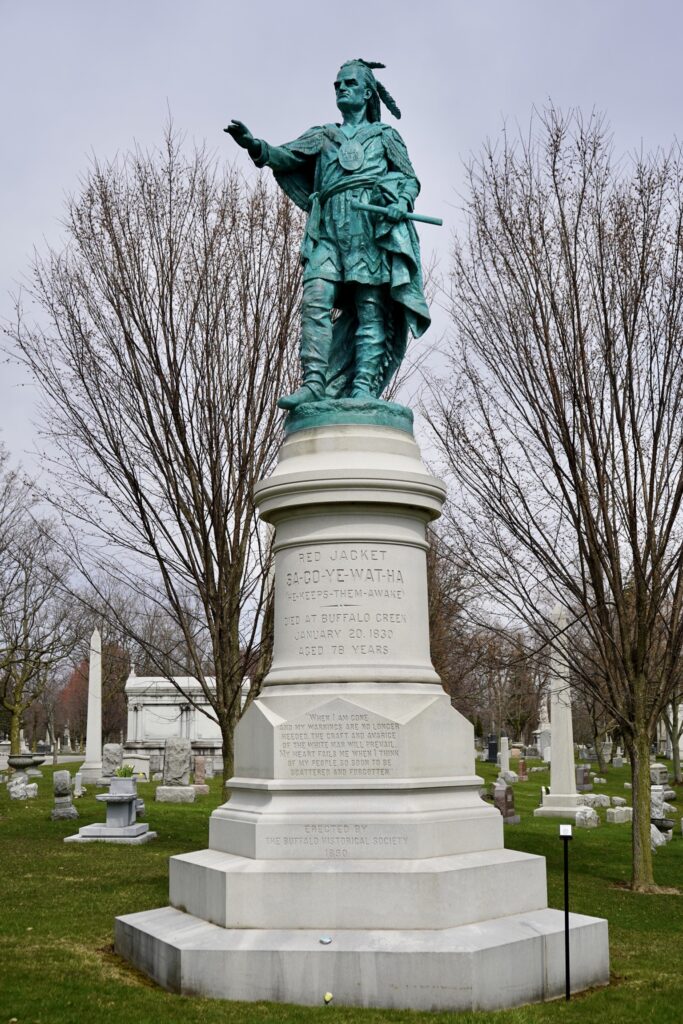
(351, 155)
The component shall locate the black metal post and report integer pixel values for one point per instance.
(567, 986)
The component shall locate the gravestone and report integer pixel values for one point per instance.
(563, 800)
(522, 772)
(175, 794)
(586, 817)
(16, 787)
(200, 787)
(154, 764)
(617, 761)
(617, 815)
(656, 802)
(492, 744)
(659, 774)
(504, 799)
(91, 769)
(79, 788)
(199, 770)
(112, 759)
(583, 782)
(64, 809)
(177, 754)
(121, 826)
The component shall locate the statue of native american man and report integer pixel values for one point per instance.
(363, 262)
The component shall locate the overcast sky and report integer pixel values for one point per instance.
(79, 77)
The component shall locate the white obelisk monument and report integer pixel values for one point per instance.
(91, 770)
(562, 801)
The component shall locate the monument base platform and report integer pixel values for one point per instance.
(497, 963)
(565, 806)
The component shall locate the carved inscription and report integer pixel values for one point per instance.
(340, 841)
(339, 744)
(344, 601)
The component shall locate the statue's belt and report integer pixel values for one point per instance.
(318, 199)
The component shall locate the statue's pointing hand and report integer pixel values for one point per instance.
(243, 137)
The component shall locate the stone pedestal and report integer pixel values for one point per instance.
(355, 811)
(121, 825)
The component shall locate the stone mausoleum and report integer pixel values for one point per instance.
(159, 709)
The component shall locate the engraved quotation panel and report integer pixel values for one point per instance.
(351, 603)
(338, 740)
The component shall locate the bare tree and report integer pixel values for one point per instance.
(169, 325)
(35, 628)
(561, 420)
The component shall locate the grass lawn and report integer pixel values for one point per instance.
(58, 902)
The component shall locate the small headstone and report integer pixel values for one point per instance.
(600, 800)
(659, 774)
(175, 794)
(586, 817)
(199, 770)
(582, 776)
(177, 762)
(618, 801)
(112, 758)
(79, 789)
(522, 770)
(657, 802)
(209, 768)
(16, 787)
(617, 762)
(670, 794)
(617, 815)
(64, 808)
(628, 785)
(32, 790)
(154, 764)
(492, 756)
(657, 838)
(504, 799)
(546, 754)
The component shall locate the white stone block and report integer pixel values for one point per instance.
(238, 892)
(618, 801)
(657, 838)
(175, 794)
(451, 969)
(586, 817)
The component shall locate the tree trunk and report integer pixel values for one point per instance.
(642, 878)
(14, 730)
(675, 740)
(228, 736)
(597, 743)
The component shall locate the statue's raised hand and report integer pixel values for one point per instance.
(241, 135)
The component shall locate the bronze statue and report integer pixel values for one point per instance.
(360, 251)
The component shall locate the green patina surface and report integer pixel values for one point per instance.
(349, 411)
(360, 252)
